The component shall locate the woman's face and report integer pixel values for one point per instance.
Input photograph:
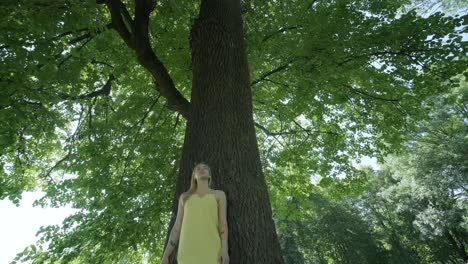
(202, 172)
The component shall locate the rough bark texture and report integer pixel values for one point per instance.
(220, 131)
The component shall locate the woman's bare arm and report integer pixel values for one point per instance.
(222, 220)
(175, 231)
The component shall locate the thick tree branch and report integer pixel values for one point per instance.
(411, 54)
(369, 95)
(88, 35)
(117, 8)
(266, 74)
(67, 33)
(105, 90)
(281, 30)
(292, 131)
(60, 64)
(137, 38)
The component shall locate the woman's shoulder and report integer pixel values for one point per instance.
(219, 193)
(183, 196)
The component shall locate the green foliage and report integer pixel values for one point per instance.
(352, 76)
(413, 210)
(328, 232)
(331, 82)
(418, 200)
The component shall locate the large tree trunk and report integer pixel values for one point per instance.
(220, 131)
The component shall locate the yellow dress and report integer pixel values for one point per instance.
(199, 241)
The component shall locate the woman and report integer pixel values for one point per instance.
(200, 224)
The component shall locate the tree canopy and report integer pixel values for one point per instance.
(332, 81)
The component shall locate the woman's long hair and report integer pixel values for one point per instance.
(193, 181)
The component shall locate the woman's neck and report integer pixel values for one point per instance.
(203, 187)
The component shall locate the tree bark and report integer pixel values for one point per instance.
(220, 131)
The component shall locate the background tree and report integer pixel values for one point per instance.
(333, 232)
(94, 96)
(411, 210)
(417, 202)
